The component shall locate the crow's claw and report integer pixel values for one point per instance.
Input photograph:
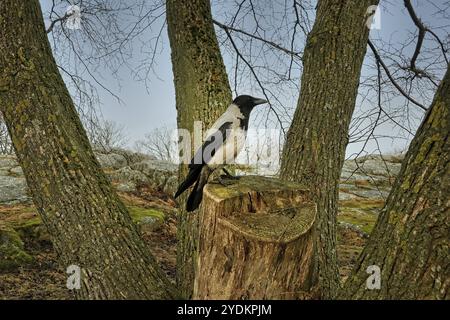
(225, 181)
(228, 175)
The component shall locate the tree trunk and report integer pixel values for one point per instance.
(410, 242)
(315, 147)
(89, 225)
(256, 241)
(202, 94)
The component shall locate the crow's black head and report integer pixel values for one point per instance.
(247, 103)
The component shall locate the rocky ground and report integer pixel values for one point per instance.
(28, 263)
(365, 185)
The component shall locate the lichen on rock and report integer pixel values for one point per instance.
(12, 252)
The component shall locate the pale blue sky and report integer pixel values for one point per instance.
(143, 110)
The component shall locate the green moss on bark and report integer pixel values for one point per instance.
(315, 146)
(202, 94)
(410, 242)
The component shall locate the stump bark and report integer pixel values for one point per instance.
(256, 241)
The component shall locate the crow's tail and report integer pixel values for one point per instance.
(196, 196)
(192, 176)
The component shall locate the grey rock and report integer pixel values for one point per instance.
(379, 167)
(126, 187)
(171, 185)
(350, 191)
(133, 157)
(8, 162)
(355, 228)
(13, 187)
(160, 174)
(372, 165)
(394, 158)
(374, 170)
(149, 224)
(350, 176)
(149, 167)
(374, 194)
(369, 177)
(111, 160)
(13, 190)
(343, 196)
(126, 174)
(16, 171)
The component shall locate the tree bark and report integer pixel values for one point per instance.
(89, 225)
(410, 242)
(202, 94)
(316, 141)
(256, 241)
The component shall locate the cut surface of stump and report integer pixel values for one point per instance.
(255, 241)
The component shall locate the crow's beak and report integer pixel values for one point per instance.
(257, 101)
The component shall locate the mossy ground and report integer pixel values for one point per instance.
(360, 213)
(43, 278)
(139, 213)
(356, 219)
(12, 252)
(37, 274)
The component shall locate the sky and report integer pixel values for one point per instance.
(143, 108)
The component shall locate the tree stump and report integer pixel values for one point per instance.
(256, 241)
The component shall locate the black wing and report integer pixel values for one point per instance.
(211, 144)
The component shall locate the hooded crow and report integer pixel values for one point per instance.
(222, 146)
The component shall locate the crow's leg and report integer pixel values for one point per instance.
(228, 175)
(224, 181)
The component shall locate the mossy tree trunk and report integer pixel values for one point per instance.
(202, 94)
(256, 241)
(89, 225)
(316, 141)
(410, 242)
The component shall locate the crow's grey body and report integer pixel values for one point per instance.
(224, 141)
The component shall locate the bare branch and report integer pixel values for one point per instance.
(256, 78)
(276, 46)
(388, 73)
(62, 19)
